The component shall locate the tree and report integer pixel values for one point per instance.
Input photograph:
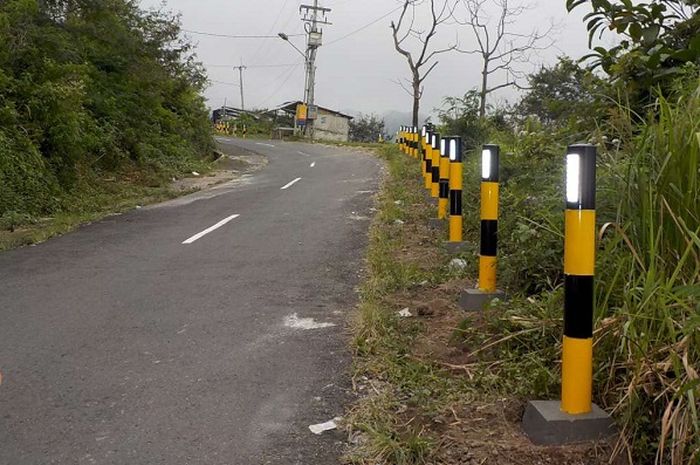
(460, 116)
(421, 62)
(367, 128)
(501, 50)
(659, 40)
(565, 93)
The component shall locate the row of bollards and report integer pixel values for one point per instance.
(575, 418)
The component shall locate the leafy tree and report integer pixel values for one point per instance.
(367, 128)
(88, 86)
(659, 39)
(565, 94)
(461, 116)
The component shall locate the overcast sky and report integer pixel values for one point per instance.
(355, 73)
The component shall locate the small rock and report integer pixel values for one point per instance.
(194, 173)
(458, 264)
(399, 202)
(405, 313)
(399, 222)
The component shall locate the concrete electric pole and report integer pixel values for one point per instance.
(313, 16)
(240, 80)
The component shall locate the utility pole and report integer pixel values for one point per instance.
(313, 16)
(240, 80)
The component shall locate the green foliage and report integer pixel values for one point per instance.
(367, 128)
(649, 288)
(459, 116)
(563, 96)
(660, 40)
(89, 88)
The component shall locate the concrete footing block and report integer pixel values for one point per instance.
(544, 423)
(455, 248)
(473, 300)
(436, 223)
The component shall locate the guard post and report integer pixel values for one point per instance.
(414, 142)
(444, 180)
(456, 220)
(423, 133)
(435, 166)
(429, 160)
(475, 299)
(575, 418)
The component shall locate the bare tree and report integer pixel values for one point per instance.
(500, 49)
(422, 61)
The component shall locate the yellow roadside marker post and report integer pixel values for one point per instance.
(429, 160)
(576, 418)
(444, 181)
(423, 135)
(401, 133)
(475, 299)
(435, 166)
(455, 243)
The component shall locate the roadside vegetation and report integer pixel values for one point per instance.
(445, 387)
(100, 107)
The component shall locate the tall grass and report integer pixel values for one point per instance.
(649, 291)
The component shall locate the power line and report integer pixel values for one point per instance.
(229, 36)
(287, 65)
(291, 73)
(364, 27)
(224, 83)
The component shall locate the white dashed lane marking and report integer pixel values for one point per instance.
(290, 184)
(210, 229)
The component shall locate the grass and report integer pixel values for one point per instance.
(90, 203)
(647, 336)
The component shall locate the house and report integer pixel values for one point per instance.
(230, 113)
(328, 124)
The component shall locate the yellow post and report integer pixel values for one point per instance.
(444, 181)
(489, 218)
(435, 166)
(429, 161)
(454, 150)
(579, 269)
(414, 142)
(424, 132)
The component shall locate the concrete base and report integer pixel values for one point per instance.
(436, 223)
(473, 300)
(544, 423)
(455, 248)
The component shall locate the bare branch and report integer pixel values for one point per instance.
(421, 62)
(501, 49)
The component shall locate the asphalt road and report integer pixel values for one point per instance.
(120, 344)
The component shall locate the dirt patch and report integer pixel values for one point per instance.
(226, 168)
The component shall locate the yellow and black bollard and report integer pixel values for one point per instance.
(400, 138)
(489, 218)
(444, 181)
(423, 149)
(575, 418)
(429, 160)
(414, 142)
(454, 151)
(435, 166)
(579, 266)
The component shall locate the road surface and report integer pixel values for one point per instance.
(210, 329)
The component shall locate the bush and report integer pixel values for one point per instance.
(90, 87)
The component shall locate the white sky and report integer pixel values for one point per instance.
(355, 74)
